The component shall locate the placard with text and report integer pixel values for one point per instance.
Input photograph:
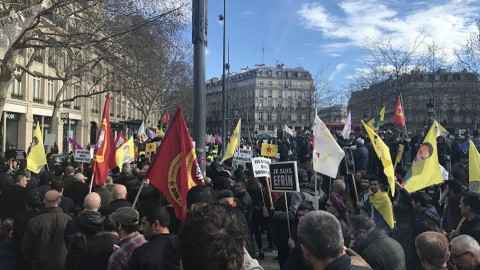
(284, 176)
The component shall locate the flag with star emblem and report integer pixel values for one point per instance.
(327, 154)
(269, 150)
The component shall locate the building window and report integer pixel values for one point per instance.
(51, 92)
(96, 101)
(17, 89)
(260, 116)
(269, 117)
(77, 91)
(51, 58)
(261, 127)
(38, 55)
(37, 90)
(67, 94)
(271, 127)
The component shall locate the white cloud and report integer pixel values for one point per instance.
(338, 69)
(361, 22)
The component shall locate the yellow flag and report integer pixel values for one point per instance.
(381, 115)
(36, 158)
(371, 123)
(426, 170)
(382, 203)
(125, 153)
(234, 142)
(473, 163)
(383, 153)
(398, 158)
(269, 150)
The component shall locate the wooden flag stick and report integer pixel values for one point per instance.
(138, 194)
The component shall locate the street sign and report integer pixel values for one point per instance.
(65, 116)
(284, 176)
(261, 167)
(82, 156)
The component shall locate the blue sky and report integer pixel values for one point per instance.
(330, 38)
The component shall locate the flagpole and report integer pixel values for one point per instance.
(138, 194)
(92, 178)
(288, 217)
(403, 108)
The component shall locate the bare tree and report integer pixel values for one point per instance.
(75, 27)
(79, 36)
(469, 56)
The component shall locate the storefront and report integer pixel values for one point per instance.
(9, 132)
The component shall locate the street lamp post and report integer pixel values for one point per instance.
(224, 67)
(199, 39)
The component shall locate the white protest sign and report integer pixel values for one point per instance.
(82, 156)
(242, 157)
(261, 167)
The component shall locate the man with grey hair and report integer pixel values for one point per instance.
(92, 202)
(119, 196)
(465, 252)
(321, 239)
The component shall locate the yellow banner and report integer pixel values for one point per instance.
(269, 150)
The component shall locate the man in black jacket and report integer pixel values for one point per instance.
(379, 250)
(161, 251)
(119, 195)
(89, 246)
(43, 244)
(470, 210)
(13, 201)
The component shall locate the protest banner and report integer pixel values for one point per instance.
(151, 148)
(284, 176)
(242, 157)
(261, 167)
(82, 156)
(269, 150)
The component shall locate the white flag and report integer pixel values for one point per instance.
(347, 129)
(141, 134)
(327, 154)
(289, 131)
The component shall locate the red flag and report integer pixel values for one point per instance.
(175, 169)
(105, 148)
(399, 115)
(165, 119)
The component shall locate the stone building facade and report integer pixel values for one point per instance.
(265, 98)
(453, 98)
(333, 115)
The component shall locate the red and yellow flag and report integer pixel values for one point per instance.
(399, 114)
(175, 169)
(105, 149)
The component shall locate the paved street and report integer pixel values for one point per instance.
(269, 263)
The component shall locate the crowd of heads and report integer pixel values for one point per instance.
(233, 216)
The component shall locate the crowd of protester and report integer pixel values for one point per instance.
(51, 221)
